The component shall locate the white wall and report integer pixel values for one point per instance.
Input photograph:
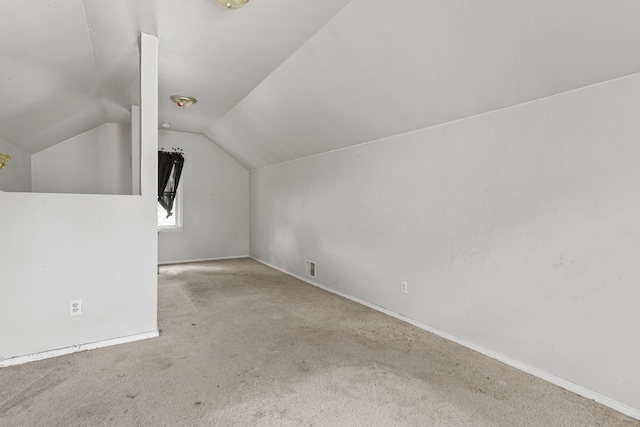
(215, 203)
(518, 230)
(16, 175)
(101, 249)
(62, 247)
(95, 162)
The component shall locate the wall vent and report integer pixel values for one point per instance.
(311, 268)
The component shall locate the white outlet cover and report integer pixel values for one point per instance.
(75, 307)
(403, 287)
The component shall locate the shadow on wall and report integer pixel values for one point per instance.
(98, 161)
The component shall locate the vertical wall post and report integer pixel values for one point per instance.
(149, 113)
(135, 150)
(149, 134)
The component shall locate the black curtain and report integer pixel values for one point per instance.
(169, 171)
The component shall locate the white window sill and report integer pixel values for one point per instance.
(163, 229)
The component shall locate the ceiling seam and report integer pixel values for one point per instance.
(93, 58)
(280, 65)
(227, 153)
(48, 101)
(544, 98)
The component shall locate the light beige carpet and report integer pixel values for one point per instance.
(245, 345)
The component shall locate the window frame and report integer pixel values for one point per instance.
(177, 211)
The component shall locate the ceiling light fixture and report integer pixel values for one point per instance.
(231, 4)
(4, 158)
(183, 101)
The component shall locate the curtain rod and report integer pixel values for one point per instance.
(175, 150)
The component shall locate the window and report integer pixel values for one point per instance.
(174, 222)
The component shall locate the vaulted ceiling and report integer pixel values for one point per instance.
(278, 80)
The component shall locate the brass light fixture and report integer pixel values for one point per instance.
(183, 101)
(231, 4)
(4, 158)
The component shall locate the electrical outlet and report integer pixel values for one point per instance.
(75, 307)
(403, 287)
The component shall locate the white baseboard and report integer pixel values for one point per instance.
(187, 261)
(567, 385)
(76, 348)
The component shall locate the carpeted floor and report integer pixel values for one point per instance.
(244, 345)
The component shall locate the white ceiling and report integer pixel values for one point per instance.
(282, 79)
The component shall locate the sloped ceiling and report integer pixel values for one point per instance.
(282, 79)
(68, 66)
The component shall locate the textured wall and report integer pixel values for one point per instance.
(95, 162)
(215, 203)
(516, 230)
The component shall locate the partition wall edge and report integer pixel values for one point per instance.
(100, 249)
